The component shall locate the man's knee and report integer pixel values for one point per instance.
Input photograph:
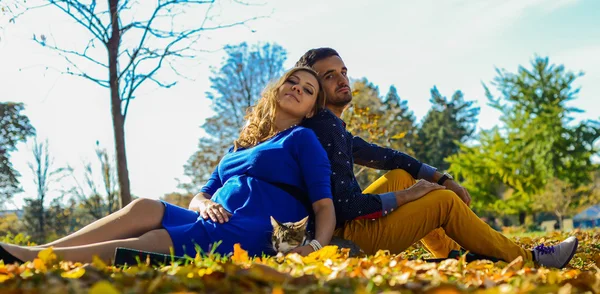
(444, 196)
(398, 174)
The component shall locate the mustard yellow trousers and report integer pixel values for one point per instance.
(440, 219)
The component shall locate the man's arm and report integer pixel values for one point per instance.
(377, 157)
(348, 199)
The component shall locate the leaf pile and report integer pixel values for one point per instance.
(325, 271)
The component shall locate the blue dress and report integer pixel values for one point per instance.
(243, 184)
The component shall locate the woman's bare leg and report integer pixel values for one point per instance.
(154, 241)
(137, 218)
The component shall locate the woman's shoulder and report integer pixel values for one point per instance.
(302, 132)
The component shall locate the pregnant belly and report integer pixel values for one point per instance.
(251, 197)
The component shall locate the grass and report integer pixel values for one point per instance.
(326, 271)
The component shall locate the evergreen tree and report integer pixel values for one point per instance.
(538, 144)
(398, 122)
(14, 128)
(236, 86)
(448, 123)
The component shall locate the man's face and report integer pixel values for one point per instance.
(333, 74)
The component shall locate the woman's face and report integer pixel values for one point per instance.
(298, 94)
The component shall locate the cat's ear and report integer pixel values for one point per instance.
(302, 223)
(275, 223)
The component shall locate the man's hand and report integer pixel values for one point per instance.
(303, 250)
(210, 209)
(459, 190)
(416, 191)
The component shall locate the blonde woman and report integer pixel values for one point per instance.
(242, 194)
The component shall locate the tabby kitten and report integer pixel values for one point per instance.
(290, 235)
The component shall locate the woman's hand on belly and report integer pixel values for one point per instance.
(209, 209)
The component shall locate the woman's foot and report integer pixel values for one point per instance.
(557, 256)
(7, 257)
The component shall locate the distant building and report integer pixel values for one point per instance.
(588, 218)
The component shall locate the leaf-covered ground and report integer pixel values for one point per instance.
(325, 271)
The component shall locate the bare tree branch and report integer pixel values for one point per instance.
(157, 42)
(71, 52)
(94, 25)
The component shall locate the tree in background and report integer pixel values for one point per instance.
(387, 122)
(398, 122)
(131, 44)
(236, 85)
(10, 224)
(179, 199)
(14, 128)
(45, 176)
(8, 10)
(447, 124)
(561, 198)
(538, 143)
(94, 200)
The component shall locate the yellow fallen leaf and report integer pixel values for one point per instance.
(327, 252)
(239, 255)
(98, 262)
(277, 290)
(39, 265)
(103, 287)
(74, 273)
(47, 256)
(399, 136)
(4, 278)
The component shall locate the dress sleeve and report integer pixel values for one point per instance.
(314, 165)
(213, 183)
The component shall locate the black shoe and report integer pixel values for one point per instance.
(471, 256)
(7, 257)
(456, 254)
(131, 257)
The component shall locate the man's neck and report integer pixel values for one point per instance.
(337, 110)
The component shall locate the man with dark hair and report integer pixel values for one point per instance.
(368, 217)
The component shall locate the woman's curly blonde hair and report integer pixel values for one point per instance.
(260, 119)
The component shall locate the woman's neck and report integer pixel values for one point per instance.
(284, 122)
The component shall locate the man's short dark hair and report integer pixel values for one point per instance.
(313, 55)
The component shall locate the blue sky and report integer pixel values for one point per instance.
(454, 44)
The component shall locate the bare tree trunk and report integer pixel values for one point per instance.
(115, 99)
(559, 216)
(522, 216)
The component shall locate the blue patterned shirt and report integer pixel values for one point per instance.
(344, 150)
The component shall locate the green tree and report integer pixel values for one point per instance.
(236, 85)
(14, 128)
(538, 142)
(398, 122)
(447, 124)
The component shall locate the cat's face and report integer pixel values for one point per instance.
(288, 236)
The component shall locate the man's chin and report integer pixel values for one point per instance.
(340, 101)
